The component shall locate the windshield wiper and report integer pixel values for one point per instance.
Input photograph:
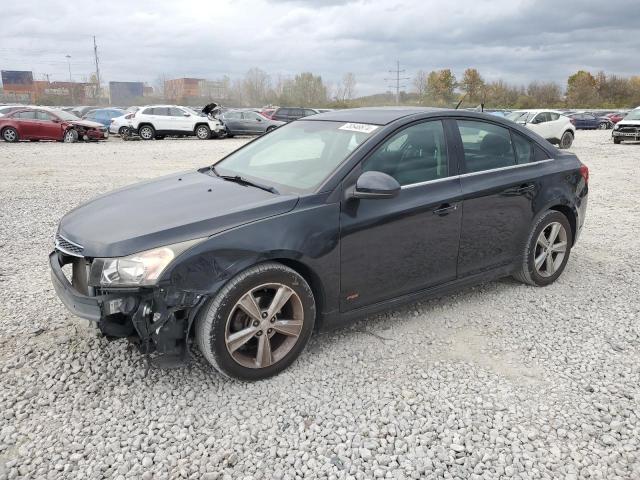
(243, 181)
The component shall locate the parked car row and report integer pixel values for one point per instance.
(41, 123)
(549, 124)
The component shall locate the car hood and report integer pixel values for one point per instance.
(632, 123)
(167, 210)
(86, 123)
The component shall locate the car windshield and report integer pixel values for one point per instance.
(633, 115)
(521, 116)
(297, 157)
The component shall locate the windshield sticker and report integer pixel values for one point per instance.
(358, 127)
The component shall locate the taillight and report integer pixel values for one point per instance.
(584, 173)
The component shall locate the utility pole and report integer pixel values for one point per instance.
(70, 79)
(95, 56)
(397, 79)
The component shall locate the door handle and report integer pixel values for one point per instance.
(445, 209)
(527, 187)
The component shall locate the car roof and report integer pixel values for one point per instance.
(373, 115)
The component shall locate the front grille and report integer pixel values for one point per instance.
(634, 130)
(68, 247)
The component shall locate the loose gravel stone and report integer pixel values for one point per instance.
(499, 379)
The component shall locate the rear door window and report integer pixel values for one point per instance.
(162, 111)
(28, 115)
(486, 146)
(176, 112)
(523, 148)
(148, 111)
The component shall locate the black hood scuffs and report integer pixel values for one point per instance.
(168, 210)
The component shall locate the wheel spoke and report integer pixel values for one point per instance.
(553, 234)
(542, 241)
(550, 265)
(282, 296)
(263, 357)
(250, 307)
(539, 261)
(559, 247)
(291, 328)
(238, 339)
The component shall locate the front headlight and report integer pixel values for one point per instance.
(139, 269)
(616, 126)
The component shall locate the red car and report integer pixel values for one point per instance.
(267, 112)
(616, 117)
(46, 124)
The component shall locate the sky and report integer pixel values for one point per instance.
(515, 40)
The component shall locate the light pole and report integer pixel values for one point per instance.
(70, 79)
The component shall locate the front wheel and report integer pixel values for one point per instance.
(203, 132)
(567, 140)
(547, 250)
(603, 126)
(617, 141)
(258, 324)
(70, 136)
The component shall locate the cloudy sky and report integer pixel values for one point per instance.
(517, 40)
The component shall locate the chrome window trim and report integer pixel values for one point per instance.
(470, 174)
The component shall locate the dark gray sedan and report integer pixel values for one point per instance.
(247, 122)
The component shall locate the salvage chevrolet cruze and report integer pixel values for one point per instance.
(327, 218)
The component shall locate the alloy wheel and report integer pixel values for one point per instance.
(202, 133)
(264, 325)
(551, 248)
(9, 135)
(146, 133)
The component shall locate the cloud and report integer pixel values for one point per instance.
(517, 40)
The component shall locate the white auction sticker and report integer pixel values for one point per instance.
(358, 127)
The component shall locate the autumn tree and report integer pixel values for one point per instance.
(582, 90)
(305, 90)
(440, 86)
(472, 85)
(420, 84)
(545, 94)
(255, 87)
(346, 89)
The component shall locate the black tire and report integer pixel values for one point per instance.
(202, 132)
(567, 140)
(211, 323)
(527, 272)
(270, 129)
(147, 132)
(603, 126)
(617, 141)
(10, 134)
(70, 136)
(123, 131)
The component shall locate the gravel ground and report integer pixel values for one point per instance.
(498, 381)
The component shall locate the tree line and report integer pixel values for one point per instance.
(583, 90)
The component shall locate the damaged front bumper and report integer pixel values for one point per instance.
(158, 319)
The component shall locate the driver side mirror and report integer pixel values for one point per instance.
(375, 185)
(186, 114)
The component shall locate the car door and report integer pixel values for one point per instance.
(49, 125)
(181, 120)
(233, 122)
(27, 124)
(253, 123)
(497, 194)
(540, 124)
(159, 117)
(394, 246)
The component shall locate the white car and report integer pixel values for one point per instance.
(119, 124)
(549, 124)
(627, 129)
(158, 121)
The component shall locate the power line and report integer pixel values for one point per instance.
(95, 54)
(397, 81)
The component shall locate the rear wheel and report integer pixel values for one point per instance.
(10, 134)
(122, 131)
(547, 250)
(567, 139)
(271, 128)
(70, 136)
(203, 132)
(603, 126)
(147, 132)
(258, 324)
(617, 141)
